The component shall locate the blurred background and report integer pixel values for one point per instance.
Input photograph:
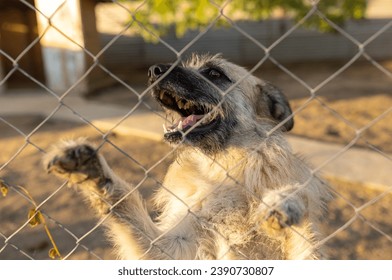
(73, 68)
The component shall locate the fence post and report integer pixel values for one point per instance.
(70, 34)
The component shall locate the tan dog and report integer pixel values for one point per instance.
(236, 190)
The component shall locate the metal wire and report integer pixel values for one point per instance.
(8, 241)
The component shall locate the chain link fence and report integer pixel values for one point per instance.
(41, 218)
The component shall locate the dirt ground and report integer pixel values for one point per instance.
(67, 216)
(359, 100)
(72, 223)
(357, 226)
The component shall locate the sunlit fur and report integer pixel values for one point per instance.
(238, 193)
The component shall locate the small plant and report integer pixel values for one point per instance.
(159, 16)
(35, 216)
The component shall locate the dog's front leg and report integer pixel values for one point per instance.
(284, 215)
(282, 208)
(119, 204)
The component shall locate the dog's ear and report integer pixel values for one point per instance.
(272, 102)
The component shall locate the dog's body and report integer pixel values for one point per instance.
(236, 191)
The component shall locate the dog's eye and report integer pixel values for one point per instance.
(214, 73)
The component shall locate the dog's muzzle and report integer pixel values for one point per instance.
(199, 116)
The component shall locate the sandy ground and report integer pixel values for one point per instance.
(66, 214)
(358, 224)
(359, 100)
(73, 225)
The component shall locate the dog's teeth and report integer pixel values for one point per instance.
(179, 127)
(164, 128)
(161, 95)
(180, 104)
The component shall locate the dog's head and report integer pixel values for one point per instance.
(214, 100)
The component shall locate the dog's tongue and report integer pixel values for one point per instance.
(187, 121)
(190, 120)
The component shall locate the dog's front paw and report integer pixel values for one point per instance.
(285, 215)
(75, 160)
(279, 212)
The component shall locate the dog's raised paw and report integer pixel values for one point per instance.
(71, 159)
(74, 160)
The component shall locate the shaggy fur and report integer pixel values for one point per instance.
(236, 190)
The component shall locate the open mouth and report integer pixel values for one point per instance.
(198, 116)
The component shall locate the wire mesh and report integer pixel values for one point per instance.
(67, 236)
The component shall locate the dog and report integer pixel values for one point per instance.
(235, 191)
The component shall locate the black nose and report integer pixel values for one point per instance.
(156, 71)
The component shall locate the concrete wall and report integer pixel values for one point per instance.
(69, 44)
(67, 60)
(302, 45)
(129, 52)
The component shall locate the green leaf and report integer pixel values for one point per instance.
(201, 8)
(160, 16)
